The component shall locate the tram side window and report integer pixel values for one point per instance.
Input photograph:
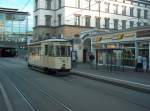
(58, 51)
(69, 52)
(46, 49)
(51, 51)
(63, 51)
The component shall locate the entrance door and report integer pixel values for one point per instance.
(84, 55)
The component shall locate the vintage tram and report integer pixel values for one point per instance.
(50, 55)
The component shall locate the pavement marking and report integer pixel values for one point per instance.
(110, 78)
(7, 102)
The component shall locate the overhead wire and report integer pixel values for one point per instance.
(26, 4)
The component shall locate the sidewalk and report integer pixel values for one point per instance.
(128, 77)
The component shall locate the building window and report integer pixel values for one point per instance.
(124, 24)
(131, 11)
(138, 23)
(59, 3)
(36, 4)
(107, 23)
(48, 4)
(124, 10)
(78, 3)
(36, 20)
(88, 3)
(145, 24)
(97, 22)
(145, 14)
(106, 7)
(131, 24)
(138, 13)
(59, 20)
(116, 24)
(77, 20)
(88, 21)
(48, 20)
(115, 8)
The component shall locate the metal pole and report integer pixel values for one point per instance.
(96, 58)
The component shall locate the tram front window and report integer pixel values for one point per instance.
(63, 51)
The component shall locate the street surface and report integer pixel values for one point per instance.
(23, 89)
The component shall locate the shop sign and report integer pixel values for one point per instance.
(107, 38)
(129, 34)
(98, 39)
(97, 45)
(118, 36)
(111, 46)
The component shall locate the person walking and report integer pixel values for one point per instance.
(139, 63)
(144, 63)
(91, 58)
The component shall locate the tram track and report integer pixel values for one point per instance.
(43, 91)
(31, 77)
(25, 98)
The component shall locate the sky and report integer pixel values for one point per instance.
(19, 4)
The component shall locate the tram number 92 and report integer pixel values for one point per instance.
(50, 55)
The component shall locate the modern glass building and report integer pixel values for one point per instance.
(13, 25)
(13, 32)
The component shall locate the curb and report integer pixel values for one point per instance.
(118, 82)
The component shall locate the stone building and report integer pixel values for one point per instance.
(67, 18)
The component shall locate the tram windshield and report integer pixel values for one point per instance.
(63, 51)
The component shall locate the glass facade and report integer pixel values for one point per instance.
(13, 26)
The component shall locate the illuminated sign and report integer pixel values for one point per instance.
(118, 37)
(98, 38)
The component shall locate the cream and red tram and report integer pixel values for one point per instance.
(50, 55)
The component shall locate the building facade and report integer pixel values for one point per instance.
(126, 44)
(67, 18)
(13, 29)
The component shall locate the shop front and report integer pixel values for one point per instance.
(124, 41)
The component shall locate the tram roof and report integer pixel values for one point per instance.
(49, 40)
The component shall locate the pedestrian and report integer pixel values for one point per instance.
(144, 63)
(91, 58)
(139, 63)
